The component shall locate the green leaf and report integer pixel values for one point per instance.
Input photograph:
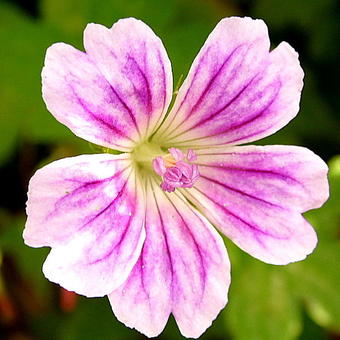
(327, 218)
(72, 16)
(178, 23)
(300, 129)
(312, 331)
(290, 11)
(12, 243)
(262, 306)
(23, 112)
(302, 15)
(317, 280)
(93, 319)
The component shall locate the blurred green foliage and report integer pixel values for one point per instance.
(301, 300)
(266, 302)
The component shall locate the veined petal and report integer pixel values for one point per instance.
(236, 91)
(183, 269)
(115, 94)
(144, 301)
(79, 96)
(134, 62)
(90, 209)
(255, 195)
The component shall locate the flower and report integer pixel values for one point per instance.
(138, 226)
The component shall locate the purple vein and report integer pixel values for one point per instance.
(123, 235)
(253, 227)
(96, 117)
(164, 89)
(230, 188)
(119, 194)
(84, 186)
(237, 126)
(127, 109)
(141, 258)
(206, 89)
(211, 116)
(189, 89)
(172, 268)
(263, 172)
(198, 250)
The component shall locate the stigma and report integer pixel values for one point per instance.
(176, 170)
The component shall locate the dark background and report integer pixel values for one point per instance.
(298, 301)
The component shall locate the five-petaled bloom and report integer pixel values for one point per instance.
(138, 226)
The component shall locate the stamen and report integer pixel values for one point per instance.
(177, 170)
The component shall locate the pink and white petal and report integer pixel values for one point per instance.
(135, 63)
(232, 54)
(80, 97)
(247, 94)
(255, 195)
(183, 269)
(144, 301)
(90, 209)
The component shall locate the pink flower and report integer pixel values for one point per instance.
(138, 226)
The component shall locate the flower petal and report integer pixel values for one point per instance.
(116, 94)
(90, 209)
(255, 195)
(183, 269)
(134, 61)
(236, 91)
(81, 98)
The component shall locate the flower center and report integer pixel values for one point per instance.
(176, 170)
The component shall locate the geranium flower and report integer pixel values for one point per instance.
(138, 226)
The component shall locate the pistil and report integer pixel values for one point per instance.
(176, 170)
